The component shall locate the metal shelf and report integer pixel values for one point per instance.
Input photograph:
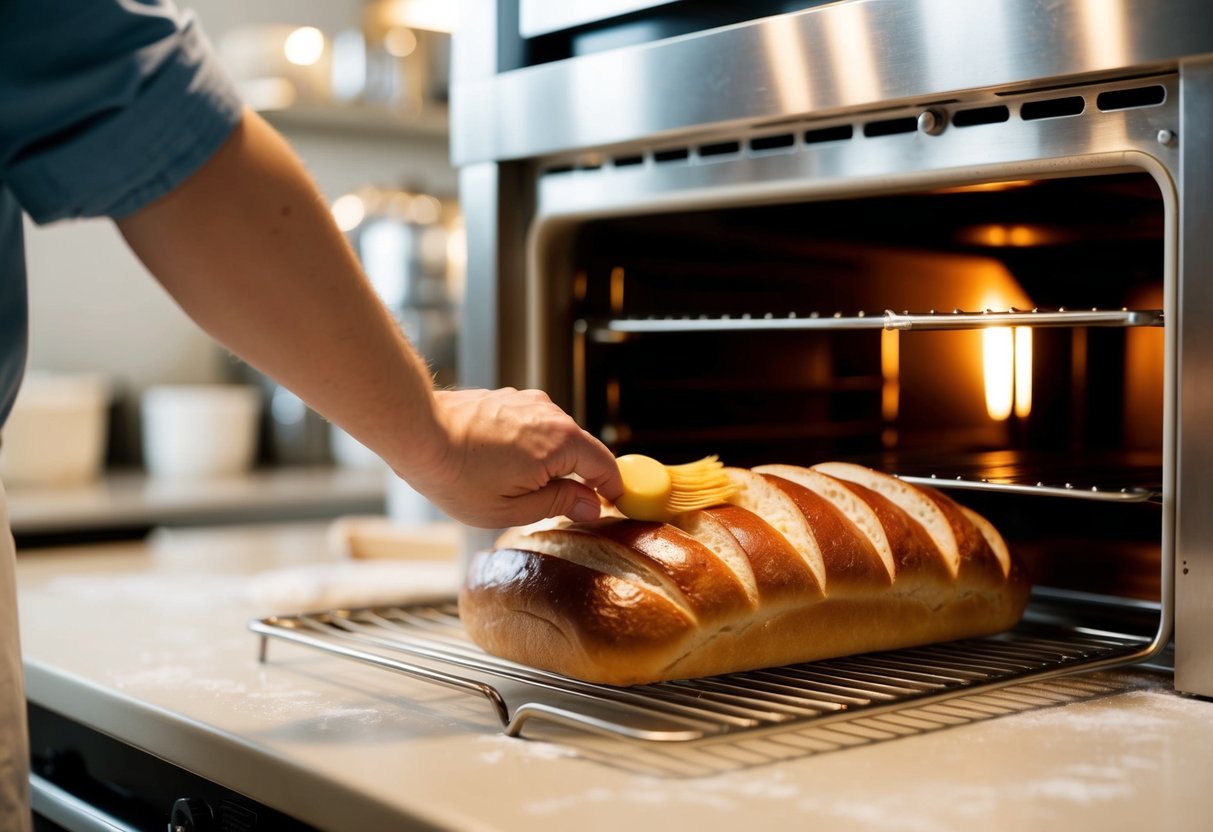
(610, 330)
(1041, 489)
(427, 642)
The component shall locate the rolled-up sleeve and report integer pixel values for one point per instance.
(105, 105)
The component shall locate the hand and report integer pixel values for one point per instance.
(511, 460)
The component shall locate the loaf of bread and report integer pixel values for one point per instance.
(802, 564)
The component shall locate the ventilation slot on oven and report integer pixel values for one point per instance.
(839, 133)
(1072, 105)
(981, 115)
(1129, 99)
(719, 149)
(891, 126)
(783, 140)
(628, 161)
(673, 154)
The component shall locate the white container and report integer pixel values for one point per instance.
(56, 433)
(200, 431)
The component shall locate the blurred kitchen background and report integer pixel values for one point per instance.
(359, 88)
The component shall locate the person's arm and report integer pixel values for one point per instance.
(249, 250)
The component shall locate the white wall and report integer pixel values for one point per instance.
(93, 306)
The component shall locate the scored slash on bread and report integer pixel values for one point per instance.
(845, 500)
(801, 564)
(911, 500)
(765, 499)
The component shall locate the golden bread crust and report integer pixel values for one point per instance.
(625, 602)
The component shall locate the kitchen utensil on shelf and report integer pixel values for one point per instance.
(200, 430)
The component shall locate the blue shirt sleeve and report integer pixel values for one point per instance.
(105, 105)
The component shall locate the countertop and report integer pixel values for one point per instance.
(132, 499)
(147, 641)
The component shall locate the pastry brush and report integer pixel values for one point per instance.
(653, 491)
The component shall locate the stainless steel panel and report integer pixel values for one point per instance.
(492, 335)
(539, 17)
(478, 337)
(856, 54)
(867, 164)
(1194, 526)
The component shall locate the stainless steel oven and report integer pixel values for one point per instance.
(966, 242)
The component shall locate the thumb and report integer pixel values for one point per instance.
(562, 497)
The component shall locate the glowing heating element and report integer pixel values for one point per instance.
(998, 359)
(1023, 371)
(1007, 363)
(890, 387)
(890, 369)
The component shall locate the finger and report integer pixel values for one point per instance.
(594, 463)
(559, 498)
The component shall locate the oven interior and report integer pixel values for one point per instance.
(678, 339)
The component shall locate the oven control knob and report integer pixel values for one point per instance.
(932, 122)
(191, 814)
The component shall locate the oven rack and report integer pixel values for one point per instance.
(426, 641)
(612, 329)
(1042, 489)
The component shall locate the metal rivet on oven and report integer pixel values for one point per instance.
(1164, 136)
(932, 122)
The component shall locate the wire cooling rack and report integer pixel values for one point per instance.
(426, 641)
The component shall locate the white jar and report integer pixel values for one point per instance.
(200, 430)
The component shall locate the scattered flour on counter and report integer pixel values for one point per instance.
(507, 749)
(176, 677)
(1129, 740)
(180, 591)
(337, 718)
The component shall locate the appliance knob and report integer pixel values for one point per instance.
(191, 814)
(932, 122)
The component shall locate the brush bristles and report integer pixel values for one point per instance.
(696, 485)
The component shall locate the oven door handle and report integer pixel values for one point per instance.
(64, 808)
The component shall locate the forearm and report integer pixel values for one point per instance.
(247, 248)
